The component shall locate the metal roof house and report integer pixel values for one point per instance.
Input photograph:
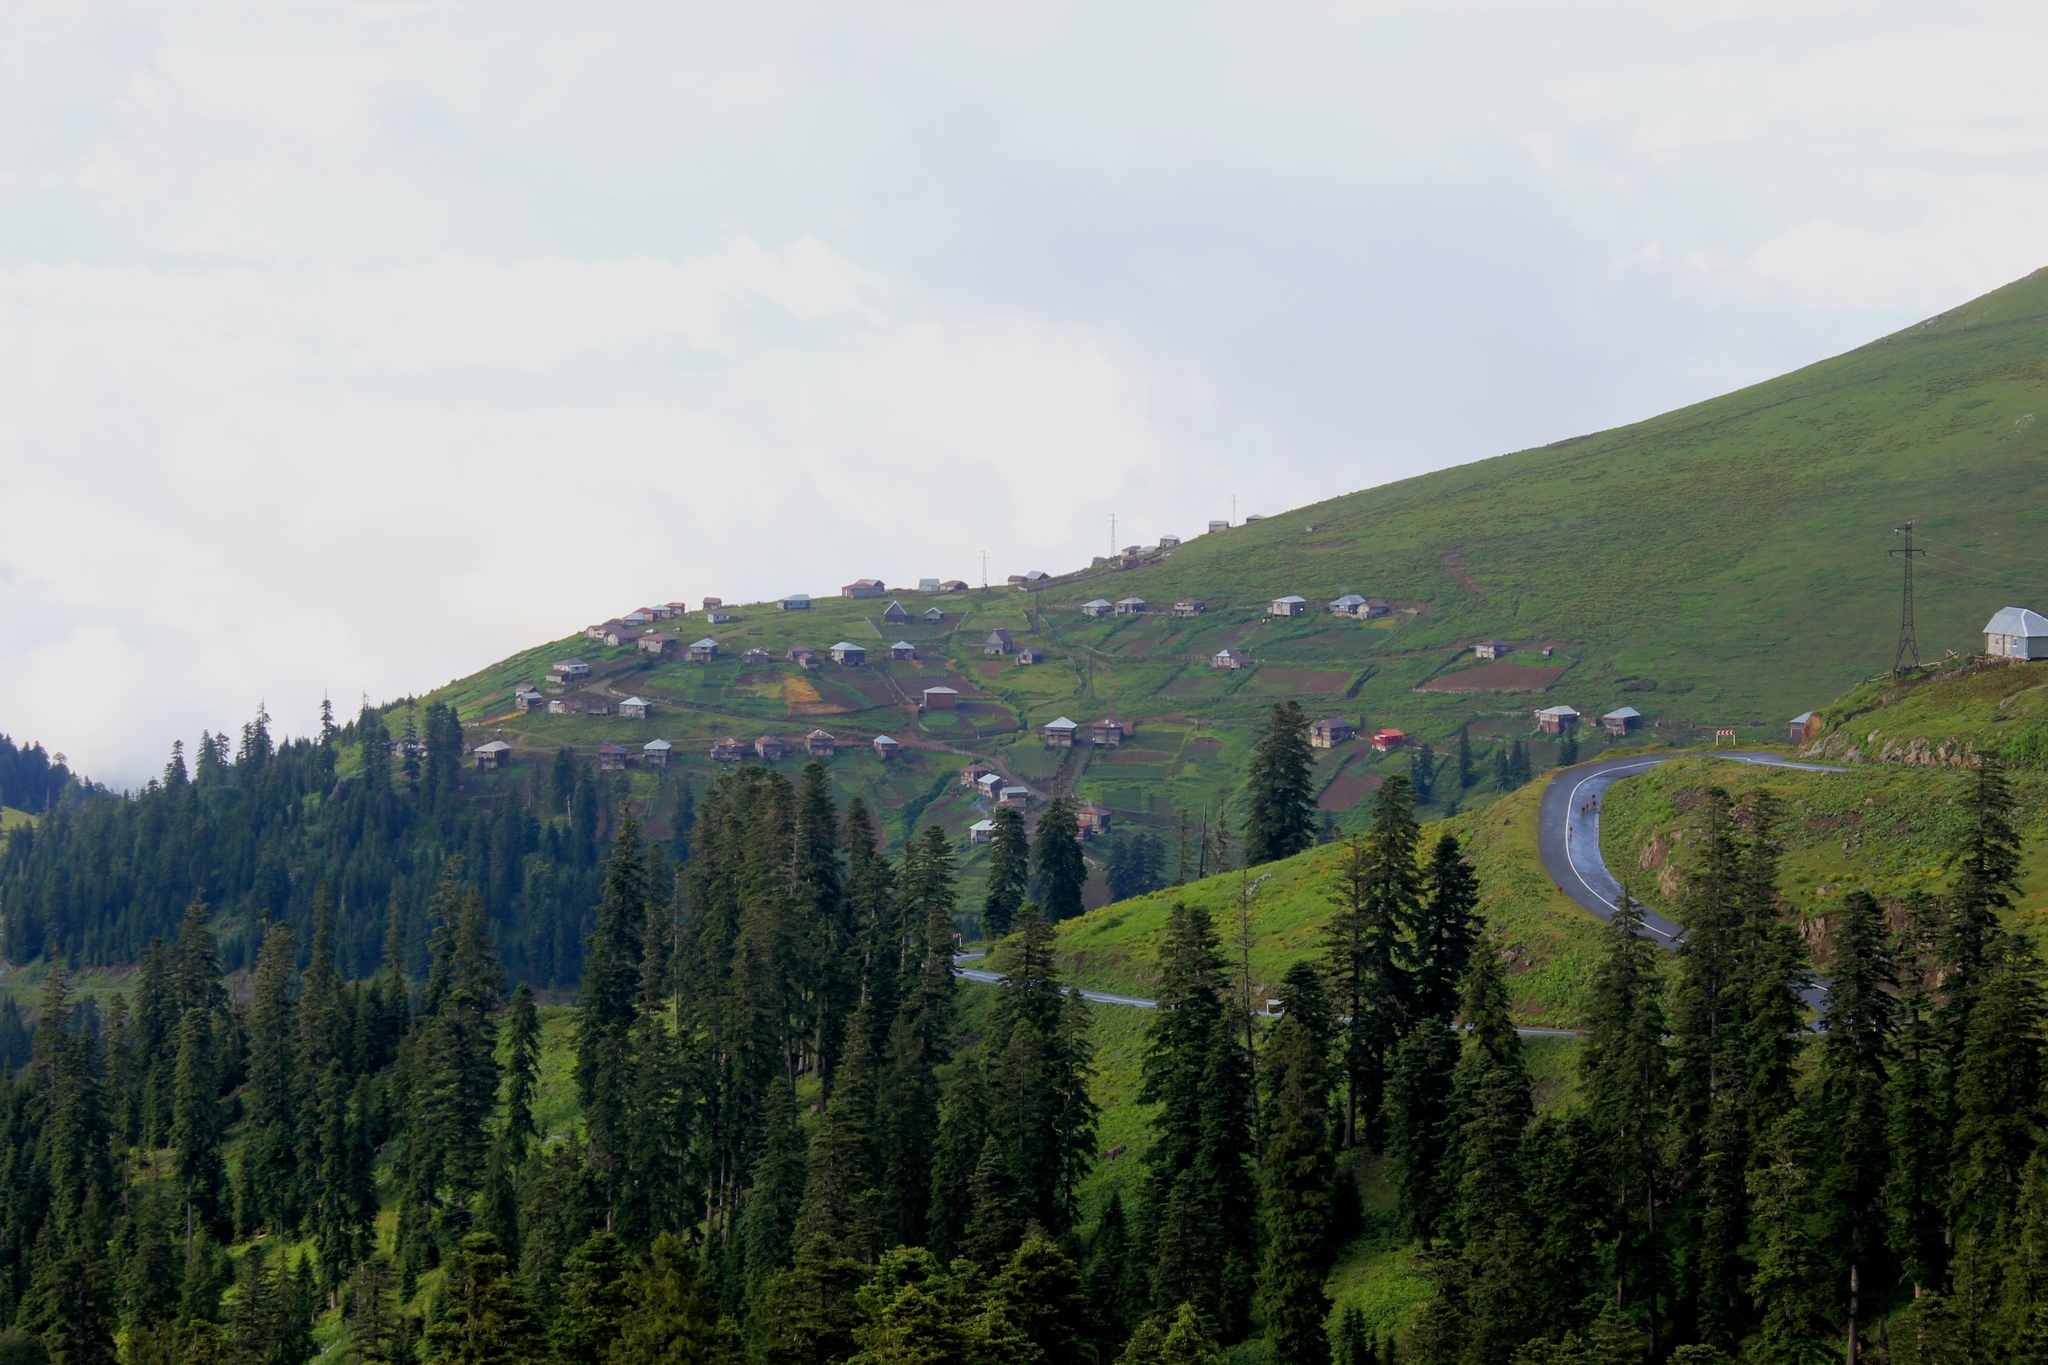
(728, 750)
(932, 616)
(927, 585)
(656, 643)
(570, 670)
(998, 642)
(1190, 606)
(639, 616)
(1805, 727)
(496, 754)
(940, 698)
(896, 615)
(848, 654)
(1363, 608)
(1016, 798)
(796, 601)
(1229, 658)
(1328, 734)
(1555, 720)
(635, 708)
(1107, 733)
(1031, 654)
(981, 831)
(529, 699)
(1091, 819)
(611, 758)
(1387, 740)
(903, 649)
(953, 585)
(1289, 605)
(1131, 606)
(704, 651)
(887, 748)
(1059, 734)
(769, 748)
(656, 752)
(863, 587)
(820, 745)
(1101, 606)
(2016, 633)
(1621, 720)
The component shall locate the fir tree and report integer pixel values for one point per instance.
(1296, 1170)
(1280, 789)
(1009, 873)
(1378, 896)
(1444, 927)
(670, 1321)
(198, 1125)
(595, 1300)
(269, 1177)
(1058, 870)
(610, 1000)
(485, 1318)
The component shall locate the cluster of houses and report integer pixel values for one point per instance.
(1332, 731)
(1558, 720)
(1006, 795)
(1065, 734)
(1350, 604)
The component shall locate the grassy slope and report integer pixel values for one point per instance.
(1723, 565)
(10, 817)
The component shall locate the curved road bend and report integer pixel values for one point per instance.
(1568, 830)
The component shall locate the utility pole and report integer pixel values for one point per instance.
(984, 570)
(1112, 535)
(1907, 644)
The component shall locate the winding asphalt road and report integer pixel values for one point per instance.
(1568, 831)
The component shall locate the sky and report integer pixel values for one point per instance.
(347, 348)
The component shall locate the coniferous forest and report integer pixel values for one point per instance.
(800, 1139)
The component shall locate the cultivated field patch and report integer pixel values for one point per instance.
(1497, 675)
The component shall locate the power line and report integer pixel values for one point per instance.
(1976, 550)
(1907, 644)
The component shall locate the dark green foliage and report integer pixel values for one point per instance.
(1378, 897)
(1280, 788)
(1058, 872)
(484, 1316)
(1009, 873)
(1296, 1170)
(1135, 866)
(594, 1300)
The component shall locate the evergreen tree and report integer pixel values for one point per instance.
(670, 1321)
(595, 1300)
(1296, 1171)
(920, 1037)
(1201, 1193)
(1419, 1124)
(1058, 870)
(843, 1201)
(269, 1176)
(1467, 773)
(1009, 873)
(1378, 897)
(1491, 1104)
(522, 1073)
(1851, 1081)
(485, 1317)
(609, 1002)
(198, 1125)
(1625, 1075)
(1444, 927)
(1280, 788)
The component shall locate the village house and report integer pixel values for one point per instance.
(1031, 654)
(713, 603)
(1229, 658)
(1016, 580)
(981, 831)
(849, 655)
(635, 708)
(569, 670)
(654, 753)
(1805, 727)
(1101, 606)
(1059, 734)
(656, 643)
(1362, 608)
(940, 698)
(990, 784)
(886, 748)
(1106, 733)
(818, 744)
(561, 706)
(597, 634)
(1388, 740)
(528, 699)
(1014, 798)
(1493, 649)
(756, 655)
(678, 608)
(768, 748)
(932, 616)
(621, 637)
(660, 613)
(1190, 606)
(895, 615)
(804, 658)
(728, 750)
(1092, 819)
(903, 649)
(863, 587)
(717, 617)
(495, 754)
(796, 601)
(2016, 633)
(1555, 720)
(1328, 734)
(1216, 526)
(1131, 606)
(1289, 605)
(639, 616)
(927, 585)
(1031, 578)
(597, 708)
(1169, 542)
(998, 642)
(953, 585)
(973, 773)
(1623, 719)
(611, 758)
(704, 651)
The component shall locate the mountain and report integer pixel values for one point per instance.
(1724, 566)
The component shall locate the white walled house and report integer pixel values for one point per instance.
(2016, 633)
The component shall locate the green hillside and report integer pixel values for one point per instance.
(1722, 566)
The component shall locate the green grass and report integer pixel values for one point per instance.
(10, 818)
